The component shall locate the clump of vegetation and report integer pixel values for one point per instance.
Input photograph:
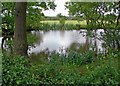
(98, 72)
(47, 26)
(61, 70)
(75, 58)
(16, 71)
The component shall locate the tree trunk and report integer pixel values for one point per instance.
(20, 38)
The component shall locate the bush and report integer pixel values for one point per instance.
(106, 74)
(16, 71)
(102, 75)
(56, 74)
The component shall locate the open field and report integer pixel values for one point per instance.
(66, 22)
(82, 23)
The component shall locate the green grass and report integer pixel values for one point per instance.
(82, 23)
(69, 25)
(55, 25)
(66, 22)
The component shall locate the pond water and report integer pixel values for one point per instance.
(0, 41)
(61, 41)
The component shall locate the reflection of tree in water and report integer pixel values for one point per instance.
(79, 47)
(39, 35)
(95, 41)
(90, 43)
(7, 44)
(43, 56)
(40, 38)
(62, 33)
(111, 40)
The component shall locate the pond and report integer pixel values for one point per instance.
(61, 41)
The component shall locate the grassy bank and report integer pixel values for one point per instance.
(75, 69)
(68, 25)
(74, 22)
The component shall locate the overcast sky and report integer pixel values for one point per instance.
(59, 9)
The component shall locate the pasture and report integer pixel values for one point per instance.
(66, 22)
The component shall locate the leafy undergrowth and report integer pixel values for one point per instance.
(61, 70)
(16, 70)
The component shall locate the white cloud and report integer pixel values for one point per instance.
(60, 8)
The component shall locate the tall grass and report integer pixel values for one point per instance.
(69, 25)
(47, 26)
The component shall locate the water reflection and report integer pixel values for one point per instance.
(6, 43)
(1, 41)
(65, 40)
(60, 41)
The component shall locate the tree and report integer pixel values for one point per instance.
(99, 15)
(33, 14)
(118, 13)
(8, 12)
(26, 16)
(20, 39)
(96, 14)
(61, 19)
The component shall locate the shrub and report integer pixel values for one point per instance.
(102, 75)
(16, 71)
(105, 74)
